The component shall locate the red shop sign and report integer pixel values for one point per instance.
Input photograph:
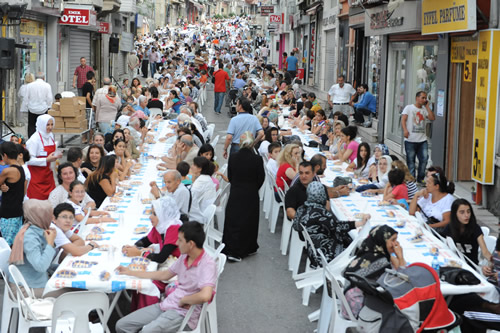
(275, 18)
(85, 17)
(103, 27)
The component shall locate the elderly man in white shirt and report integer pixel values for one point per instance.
(340, 96)
(175, 188)
(38, 100)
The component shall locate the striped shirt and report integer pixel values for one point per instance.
(412, 189)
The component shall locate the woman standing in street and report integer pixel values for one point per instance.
(246, 175)
(42, 148)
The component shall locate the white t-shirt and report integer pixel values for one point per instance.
(78, 210)
(341, 95)
(62, 238)
(416, 123)
(436, 209)
(27, 176)
(272, 166)
(362, 173)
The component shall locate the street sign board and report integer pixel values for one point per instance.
(266, 10)
(275, 18)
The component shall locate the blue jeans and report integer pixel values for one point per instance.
(219, 99)
(419, 150)
(152, 66)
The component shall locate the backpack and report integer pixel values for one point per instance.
(406, 300)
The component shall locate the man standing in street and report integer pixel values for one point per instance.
(292, 62)
(220, 86)
(80, 75)
(39, 100)
(264, 53)
(132, 64)
(145, 62)
(153, 56)
(366, 106)
(340, 95)
(244, 121)
(413, 122)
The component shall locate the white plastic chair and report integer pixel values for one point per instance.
(210, 132)
(490, 243)
(26, 317)
(214, 141)
(210, 231)
(296, 249)
(486, 231)
(9, 300)
(286, 230)
(153, 112)
(79, 226)
(78, 304)
(275, 210)
(220, 212)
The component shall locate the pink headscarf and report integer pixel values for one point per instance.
(38, 213)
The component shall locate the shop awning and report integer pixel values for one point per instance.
(312, 11)
(197, 5)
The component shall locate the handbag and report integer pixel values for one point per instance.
(339, 180)
(40, 307)
(458, 276)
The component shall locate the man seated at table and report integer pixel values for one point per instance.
(175, 188)
(196, 275)
(183, 150)
(318, 162)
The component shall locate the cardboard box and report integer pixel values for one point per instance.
(59, 130)
(59, 122)
(55, 106)
(54, 113)
(68, 101)
(76, 124)
(81, 99)
(70, 111)
(76, 118)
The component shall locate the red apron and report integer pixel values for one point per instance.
(42, 178)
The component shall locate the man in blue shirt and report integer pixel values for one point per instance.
(239, 82)
(292, 62)
(366, 106)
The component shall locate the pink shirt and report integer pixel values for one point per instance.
(353, 145)
(191, 279)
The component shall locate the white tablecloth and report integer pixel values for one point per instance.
(130, 213)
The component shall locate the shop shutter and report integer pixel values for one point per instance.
(79, 46)
(122, 62)
(330, 78)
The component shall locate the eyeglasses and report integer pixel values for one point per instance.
(66, 217)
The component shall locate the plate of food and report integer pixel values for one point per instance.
(416, 239)
(363, 181)
(161, 167)
(453, 263)
(384, 203)
(135, 183)
(141, 230)
(162, 139)
(434, 251)
(359, 216)
(336, 169)
(368, 194)
(140, 261)
(148, 211)
(137, 166)
(146, 201)
(137, 267)
(104, 247)
(115, 199)
(105, 276)
(93, 237)
(111, 208)
(66, 274)
(83, 264)
(97, 230)
(118, 193)
(400, 223)
(390, 213)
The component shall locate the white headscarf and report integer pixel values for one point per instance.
(167, 212)
(41, 126)
(389, 163)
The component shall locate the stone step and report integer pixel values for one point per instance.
(369, 135)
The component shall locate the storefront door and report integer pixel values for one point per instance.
(396, 78)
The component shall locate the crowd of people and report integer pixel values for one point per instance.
(38, 218)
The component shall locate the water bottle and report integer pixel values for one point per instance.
(435, 264)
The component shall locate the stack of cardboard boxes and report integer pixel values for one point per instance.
(69, 115)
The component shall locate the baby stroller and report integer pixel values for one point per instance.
(232, 97)
(407, 300)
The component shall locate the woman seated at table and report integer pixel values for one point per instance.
(379, 183)
(94, 155)
(102, 182)
(380, 250)
(379, 151)
(290, 98)
(466, 233)
(158, 245)
(334, 138)
(131, 150)
(327, 233)
(360, 164)
(289, 160)
(124, 165)
(117, 134)
(98, 139)
(33, 249)
(272, 135)
(348, 151)
(318, 122)
(203, 189)
(66, 174)
(434, 201)
(76, 195)
(66, 239)
(305, 123)
(173, 101)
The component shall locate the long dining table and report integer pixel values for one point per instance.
(131, 208)
(418, 242)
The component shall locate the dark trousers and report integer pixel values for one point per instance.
(144, 68)
(359, 113)
(293, 74)
(32, 117)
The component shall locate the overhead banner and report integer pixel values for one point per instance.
(448, 16)
(485, 115)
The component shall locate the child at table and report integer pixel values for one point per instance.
(183, 168)
(272, 165)
(396, 189)
(158, 245)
